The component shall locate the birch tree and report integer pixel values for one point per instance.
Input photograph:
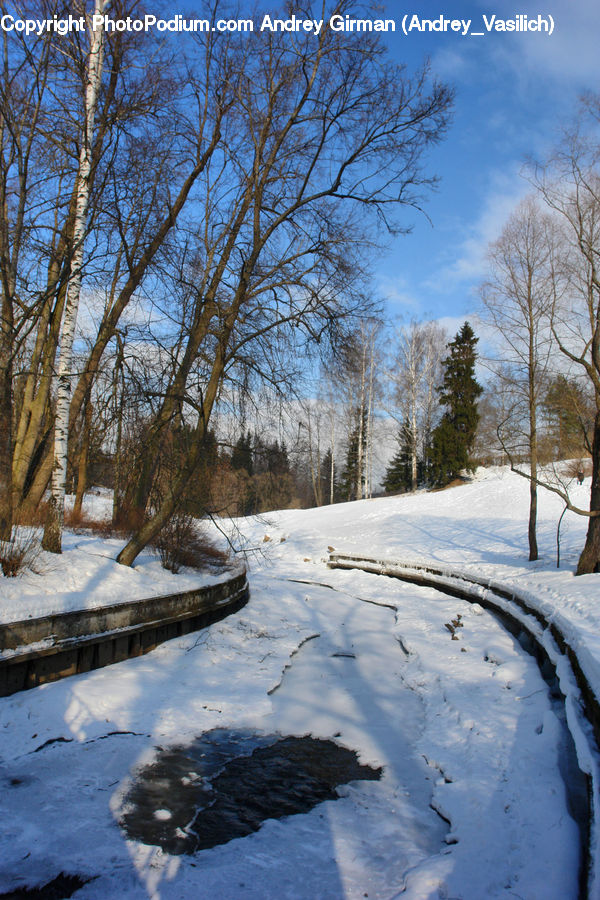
(322, 418)
(157, 126)
(415, 372)
(570, 186)
(358, 389)
(54, 523)
(518, 299)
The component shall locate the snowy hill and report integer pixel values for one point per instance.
(471, 745)
(483, 522)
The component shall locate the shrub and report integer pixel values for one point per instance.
(575, 466)
(180, 544)
(21, 552)
(35, 517)
(81, 522)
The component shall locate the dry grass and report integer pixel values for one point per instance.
(456, 482)
(34, 518)
(37, 519)
(22, 552)
(104, 528)
(180, 544)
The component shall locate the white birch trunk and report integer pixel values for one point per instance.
(332, 470)
(315, 467)
(54, 524)
(413, 448)
(360, 475)
(369, 472)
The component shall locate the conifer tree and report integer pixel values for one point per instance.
(353, 473)
(398, 475)
(453, 438)
(242, 455)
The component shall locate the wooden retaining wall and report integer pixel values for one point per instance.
(75, 642)
(485, 592)
(512, 606)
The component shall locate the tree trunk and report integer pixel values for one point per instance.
(589, 561)
(82, 468)
(332, 479)
(315, 468)
(533, 547)
(53, 534)
(152, 526)
(532, 530)
(360, 455)
(369, 465)
(6, 507)
(118, 414)
(31, 423)
(413, 449)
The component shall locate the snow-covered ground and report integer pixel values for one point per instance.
(86, 576)
(471, 802)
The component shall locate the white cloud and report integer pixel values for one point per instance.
(469, 266)
(569, 55)
(452, 64)
(399, 299)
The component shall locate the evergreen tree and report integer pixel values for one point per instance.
(352, 475)
(398, 475)
(453, 438)
(241, 458)
(276, 458)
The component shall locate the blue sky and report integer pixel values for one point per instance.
(514, 93)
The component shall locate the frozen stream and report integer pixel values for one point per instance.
(470, 803)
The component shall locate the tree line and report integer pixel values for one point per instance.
(183, 235)
(204, 212)
(542, 297)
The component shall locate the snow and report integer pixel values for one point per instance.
(86, 576)
(471, 803)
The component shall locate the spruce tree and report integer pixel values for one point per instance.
(353, 473)
(241, 458)
(453, 438)
(350, 471)
(398, 475)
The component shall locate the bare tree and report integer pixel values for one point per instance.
(231, 199)
(414, 373)
(22, 208)
(354, 377)
(150, 146)
(56, 509)
(570, 186)
(518, 299)
(330, 135)
(324, 420)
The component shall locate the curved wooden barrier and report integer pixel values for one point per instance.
(513, 607)
(35, 651)
(492, 595)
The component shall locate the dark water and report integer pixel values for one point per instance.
(225, 784)
(59, 888)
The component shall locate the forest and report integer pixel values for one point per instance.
(188, 243)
